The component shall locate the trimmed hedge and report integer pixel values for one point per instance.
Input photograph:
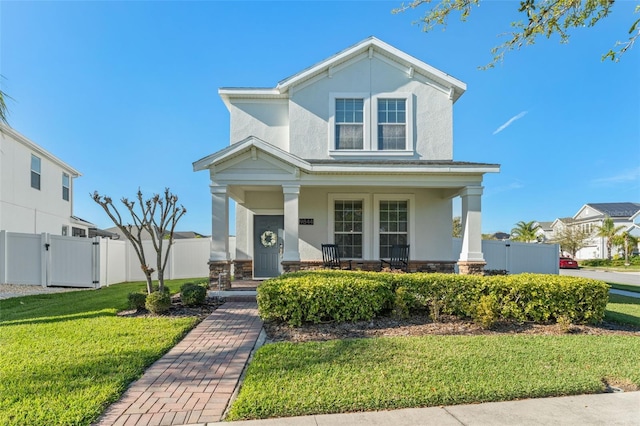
(323, 296)
(317, 296)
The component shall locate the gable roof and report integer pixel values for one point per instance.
(370, 45)
(616, 210)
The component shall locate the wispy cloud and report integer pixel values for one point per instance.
(510, 121)
(624, 176)
(513, 186)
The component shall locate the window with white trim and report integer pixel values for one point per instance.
(365, 123)
(35, 171)
(394, 220)
(392, 124)
(65, 230)
(349, 123)
(65, 186)
(348, 227)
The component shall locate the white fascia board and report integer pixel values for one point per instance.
(381, 169)
(231, 94)
(39, 150)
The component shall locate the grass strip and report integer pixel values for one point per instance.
(65, 357)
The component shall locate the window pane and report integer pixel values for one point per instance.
(391, 136)
(349, 136)
(35, 164)
(35, 180)
(393, 225)
(348, 232)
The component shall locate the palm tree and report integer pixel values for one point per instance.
(525, 231)
(608, 230)
(628, 242)
(4, 111)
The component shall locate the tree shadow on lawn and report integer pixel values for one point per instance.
(60, 318)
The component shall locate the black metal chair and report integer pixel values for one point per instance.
(331, 257)
(399, 258)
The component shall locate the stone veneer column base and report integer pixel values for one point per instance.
(471, 268)
(243, 269)
(290, 266)
(216, 269)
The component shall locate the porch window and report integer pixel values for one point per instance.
(348, 220)
(349, 122)
(35, 172)
(65, 186)
(393, 225)
(392, 128)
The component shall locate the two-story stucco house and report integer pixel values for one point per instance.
(36, 189)
(590, 217)
(356, 150)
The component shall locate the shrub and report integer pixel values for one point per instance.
(137, 300)
(485, 312)
(324, 296)
(192, 294)
(158, 302)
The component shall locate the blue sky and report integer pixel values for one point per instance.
(126, 92)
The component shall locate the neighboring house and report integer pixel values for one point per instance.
(36, 189)
(356, 150)
(592, 215)
(545, 231)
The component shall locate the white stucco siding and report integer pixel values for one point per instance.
(26, 209)
(431, 222)
(310, 108)
(267, 120)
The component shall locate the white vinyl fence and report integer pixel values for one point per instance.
(54, 260)
(517, 258)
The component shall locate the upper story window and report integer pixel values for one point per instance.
(35, 171)
(65, 186)
(392, 124)
(360, 122)
(349, 120)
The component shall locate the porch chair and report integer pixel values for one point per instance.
(399, 258)
(331, 257)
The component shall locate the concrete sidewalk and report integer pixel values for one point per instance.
(601, 409)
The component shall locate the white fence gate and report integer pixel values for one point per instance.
(517, 258)
(54, 260)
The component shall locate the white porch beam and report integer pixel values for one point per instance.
(291, 221)
(219, 223)
(471, 224)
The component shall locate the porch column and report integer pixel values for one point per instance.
(291, 254)
(219, 260)
(471, 258)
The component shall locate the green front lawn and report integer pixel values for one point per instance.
(291, 379)
(65, 357)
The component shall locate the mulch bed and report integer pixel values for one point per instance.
(177, 309)
(423, 325)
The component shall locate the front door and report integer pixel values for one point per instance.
(267, 244)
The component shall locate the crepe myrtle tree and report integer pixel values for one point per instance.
(156, 216)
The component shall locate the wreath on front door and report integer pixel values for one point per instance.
(268, 239)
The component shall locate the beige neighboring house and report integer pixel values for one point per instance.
(356, 150)
(592, 215)
(115, 233)
(36, 189)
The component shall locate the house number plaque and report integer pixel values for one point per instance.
(306, 222)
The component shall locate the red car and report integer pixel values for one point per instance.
(568, 263)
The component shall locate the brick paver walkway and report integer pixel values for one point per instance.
(194, 381)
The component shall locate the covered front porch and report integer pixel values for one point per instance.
(287, 207)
